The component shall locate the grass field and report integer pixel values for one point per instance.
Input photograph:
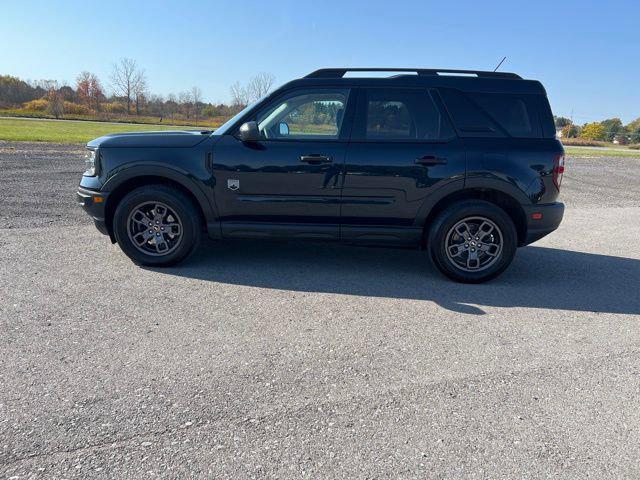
(601, 152)
(69, 131)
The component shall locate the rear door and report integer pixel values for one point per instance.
(403, 147)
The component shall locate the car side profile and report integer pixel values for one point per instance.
(462, 164)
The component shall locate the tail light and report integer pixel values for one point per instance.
(558, 170)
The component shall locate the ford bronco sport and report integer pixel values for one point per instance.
(463, 164)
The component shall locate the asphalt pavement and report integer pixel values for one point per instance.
(266, 360)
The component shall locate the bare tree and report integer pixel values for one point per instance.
(260, 85)
(171, 106)
(257, 88)
(156, 106)
(126, 78)
(239, 96)
(196, 98)
(54, 97)
(140, 91)
(184, 100)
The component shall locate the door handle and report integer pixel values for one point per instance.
(429, 160)
(314, 159)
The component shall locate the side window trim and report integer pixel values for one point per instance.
(345, 127)
(359, 121)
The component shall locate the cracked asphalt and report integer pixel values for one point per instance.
(261, 360)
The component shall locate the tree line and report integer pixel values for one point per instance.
(127, 93)
(609, 130)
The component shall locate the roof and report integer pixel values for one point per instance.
(466, 80)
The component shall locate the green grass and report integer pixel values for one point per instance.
(601, 152)
(68, 131)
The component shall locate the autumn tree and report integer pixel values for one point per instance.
(570, 131)
(634, 130)
(68, 93)
(593, 131)
(14, 91)
(89, 90)
(127, 79)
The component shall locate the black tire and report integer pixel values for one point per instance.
(444, 233)
(183, 215)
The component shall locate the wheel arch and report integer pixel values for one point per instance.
(128, 180)
(510, 204)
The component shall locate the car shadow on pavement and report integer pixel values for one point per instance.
(539, 277)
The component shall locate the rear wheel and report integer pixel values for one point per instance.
(157, 225)
(472, 241)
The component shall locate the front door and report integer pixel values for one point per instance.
(287, 184)
(403, 147)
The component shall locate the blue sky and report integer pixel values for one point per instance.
(585, 53)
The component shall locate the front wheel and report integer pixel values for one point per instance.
(472, 241)
(156, 225)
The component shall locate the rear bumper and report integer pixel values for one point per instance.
(93, 202)
(549, 221)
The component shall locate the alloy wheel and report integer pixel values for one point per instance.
(154, 228)
(474, 244)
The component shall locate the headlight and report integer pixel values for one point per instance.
(90, 164)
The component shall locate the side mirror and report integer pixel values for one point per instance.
(283, 129)
(249, 132)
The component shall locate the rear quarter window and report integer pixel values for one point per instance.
(494, 114)
(469, 119)
(517, 114)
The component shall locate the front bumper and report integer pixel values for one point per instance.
(542, 220)
(94, 202)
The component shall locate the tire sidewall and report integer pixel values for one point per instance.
(179, 203)
(449, 217)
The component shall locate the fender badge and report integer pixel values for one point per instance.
(233, 184)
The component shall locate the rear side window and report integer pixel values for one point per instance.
(515, 113)
(470, 120)
(395, 114)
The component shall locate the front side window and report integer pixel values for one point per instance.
(400, 114)
(301, 115)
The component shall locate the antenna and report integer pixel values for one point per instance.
(498, 66)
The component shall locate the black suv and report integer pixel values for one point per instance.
(464, 164)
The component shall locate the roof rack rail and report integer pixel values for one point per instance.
(340, 72)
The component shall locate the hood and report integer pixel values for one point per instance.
(167, 138)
